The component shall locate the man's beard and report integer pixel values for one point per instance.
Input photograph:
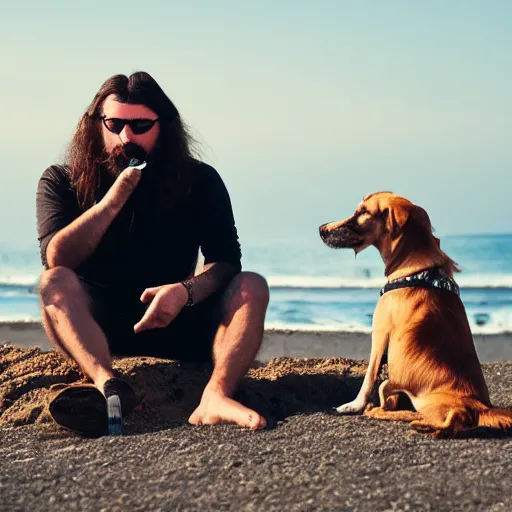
(119, 158)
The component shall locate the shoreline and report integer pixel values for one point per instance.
(284, 343)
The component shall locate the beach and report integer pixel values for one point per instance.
(285, 343)
(332, 150)
(307, 459)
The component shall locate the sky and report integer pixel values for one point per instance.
(302, 107)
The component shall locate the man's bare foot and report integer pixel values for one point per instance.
(217, 408)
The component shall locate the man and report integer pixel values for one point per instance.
(120, 245)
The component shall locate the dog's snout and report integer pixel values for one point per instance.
(323, 230)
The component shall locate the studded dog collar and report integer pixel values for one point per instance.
(429, 278)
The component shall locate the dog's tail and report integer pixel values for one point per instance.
(496, 418)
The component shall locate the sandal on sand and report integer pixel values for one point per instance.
(83, 409)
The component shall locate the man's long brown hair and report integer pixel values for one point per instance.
(176, 148)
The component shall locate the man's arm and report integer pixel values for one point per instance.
(214, 277)
(218, 237)
(74, 243)
(166, 301)
(221, 250)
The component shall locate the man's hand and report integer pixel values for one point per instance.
(165, 302)
(122, 189)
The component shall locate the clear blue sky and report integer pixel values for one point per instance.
(303, 107)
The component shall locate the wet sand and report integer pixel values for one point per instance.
(495, 347)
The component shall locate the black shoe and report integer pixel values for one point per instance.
(83, 409)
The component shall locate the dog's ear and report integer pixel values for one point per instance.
(421, 219)
(397, 216)
(410, 214)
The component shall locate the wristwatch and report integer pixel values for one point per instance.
(188, 287)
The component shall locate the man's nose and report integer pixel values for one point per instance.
(126, 134)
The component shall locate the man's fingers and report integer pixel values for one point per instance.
(131, 175)
(123, 187)
(141, 326)
(144, 324)
(148, 294)
(127, 181)
(150, 320)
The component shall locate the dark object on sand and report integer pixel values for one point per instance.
(84, 410)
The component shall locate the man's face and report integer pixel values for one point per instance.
(113, 109)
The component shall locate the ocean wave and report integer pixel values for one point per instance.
(480, 281)
(477, 282)
(323, 282)
(17, 293)
(283, 326)
(19, 281)
(487, 330)
(328, 327)
(19, 318)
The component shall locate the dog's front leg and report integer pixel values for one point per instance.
(380, 340)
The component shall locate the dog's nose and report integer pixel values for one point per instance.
(323, 229)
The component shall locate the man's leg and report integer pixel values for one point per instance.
(70, 325)
(236, 343)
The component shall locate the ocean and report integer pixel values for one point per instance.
(317, 288)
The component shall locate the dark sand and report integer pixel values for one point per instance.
(307, 460)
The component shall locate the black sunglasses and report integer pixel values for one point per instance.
(138, 126)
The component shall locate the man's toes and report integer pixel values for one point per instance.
(195, 418)
(256, 422)
(227, 411)
(233, 412)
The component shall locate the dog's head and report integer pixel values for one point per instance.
(379, 219)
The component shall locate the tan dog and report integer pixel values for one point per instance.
(421, 322)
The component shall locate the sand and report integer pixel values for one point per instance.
(306, 460)
(169, 391)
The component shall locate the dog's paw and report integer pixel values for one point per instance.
(354, 407)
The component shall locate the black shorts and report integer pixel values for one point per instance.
(189, 337)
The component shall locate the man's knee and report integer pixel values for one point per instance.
(59, 284)
(251, 287)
